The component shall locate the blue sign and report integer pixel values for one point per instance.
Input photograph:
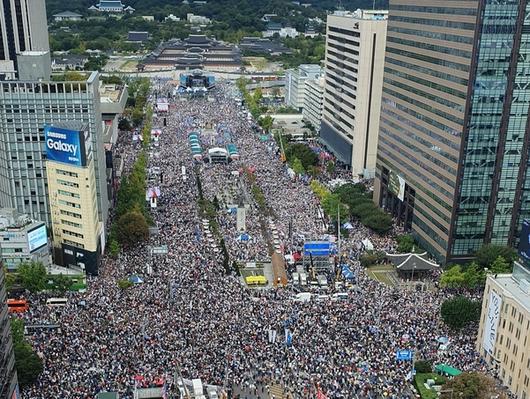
(404, 354)
(37, 238)
(65, 145)
(317, 248)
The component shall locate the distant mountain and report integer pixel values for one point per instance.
(252, 8)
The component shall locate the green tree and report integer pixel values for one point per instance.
(10, 278)
(363, 209)
(472, 386)
(27, 363)
(266, 122)
(297, 166)
(423, 366)
(488, 253)
(332, 206)
(379, 222)
(370, 258)
(405, 243)
(132, 228)
(500, 265)
(114, 248)
(453, 277)
(460, 311)
(474, 276)
(137, 116)
(124, 284)
(124, 124)
(32, 276)
(61, 283)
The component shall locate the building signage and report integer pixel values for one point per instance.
(491, 323)
(65, 145)
(37, 238)
(524, 241)
(396, 185)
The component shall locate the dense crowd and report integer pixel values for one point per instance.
(189, 317)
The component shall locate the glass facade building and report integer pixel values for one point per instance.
(454, 122)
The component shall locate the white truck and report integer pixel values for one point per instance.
(303, 279)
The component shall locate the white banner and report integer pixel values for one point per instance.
(492, 322)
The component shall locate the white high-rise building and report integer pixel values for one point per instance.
(23, 28)
(355, 54)
(295, 83)
(313, 101)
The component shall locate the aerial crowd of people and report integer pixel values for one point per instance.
(189, 318)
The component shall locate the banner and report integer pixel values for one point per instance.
(396, 185)
(492, 322)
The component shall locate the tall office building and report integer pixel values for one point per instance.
(313, 99)
(8, 374)
(454, 141)
(25, 108)
(355, 51)
(295, 80)
(70, 169)
(502, 337)
(23, 27)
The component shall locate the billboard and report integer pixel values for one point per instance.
(492, 322)
(37, 238)
(65, 145)
(317, 248)
(396, 185)
(524, 241)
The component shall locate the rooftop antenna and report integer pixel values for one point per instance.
(373, 5)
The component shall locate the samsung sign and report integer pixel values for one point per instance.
(65, 145)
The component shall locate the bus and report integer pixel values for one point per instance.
(17, 305)
(56, 301)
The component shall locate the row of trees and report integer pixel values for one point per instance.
(27, 363)
(33, 277)
(132, 216)
(361, 207)
(490, 258)
(251, 100)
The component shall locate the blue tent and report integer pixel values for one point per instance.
(346, 272)
(243, 237)
(135, 279)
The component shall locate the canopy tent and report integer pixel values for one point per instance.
(368, 244)
(444, 369)
(135, 279)
(243, 237)
(347, 226)
(346, 272)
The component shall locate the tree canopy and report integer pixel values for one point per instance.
(32, 276)
(27, 363)
(472, 386)
(460, 311)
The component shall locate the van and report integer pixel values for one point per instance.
(339, 296)
(296, 277)
(322, 298)
(303, 297)
(56, 301)
(322, 281)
